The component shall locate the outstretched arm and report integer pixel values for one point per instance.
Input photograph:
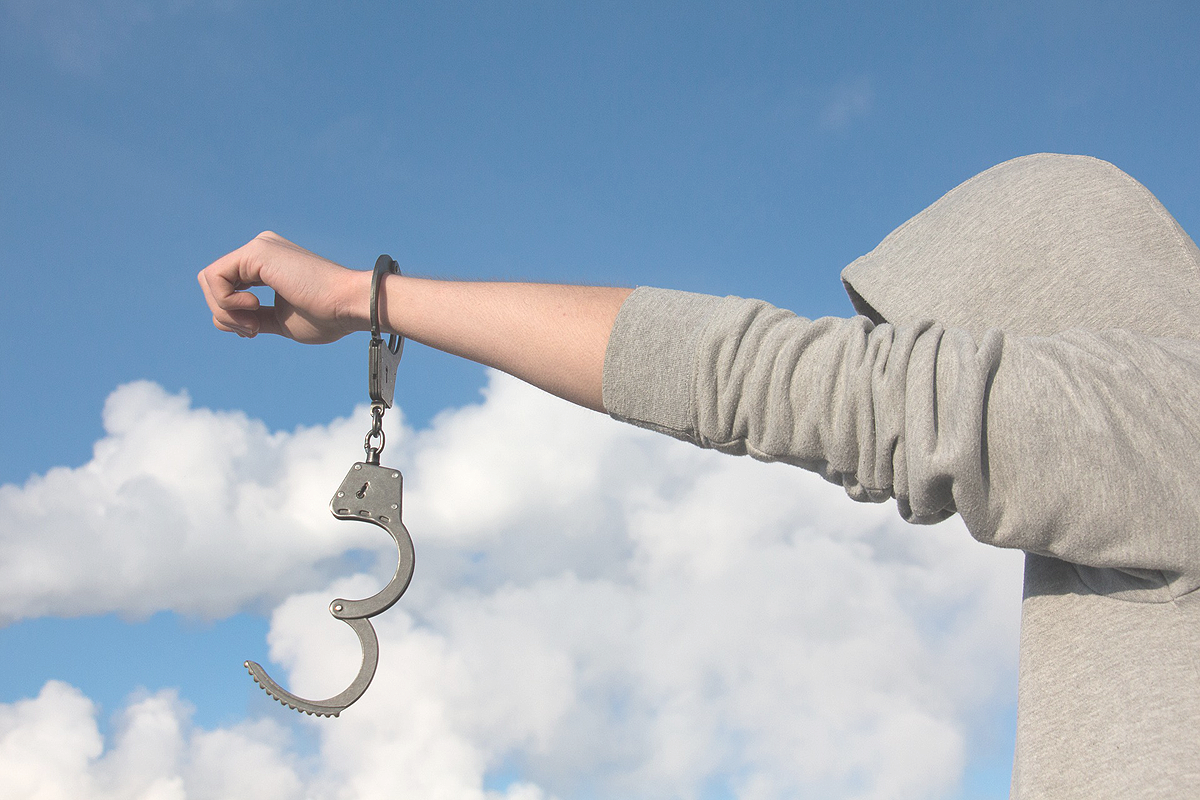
(551, 336)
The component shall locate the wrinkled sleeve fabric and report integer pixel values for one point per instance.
(1073, 446)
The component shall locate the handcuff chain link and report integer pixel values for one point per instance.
(376, 432)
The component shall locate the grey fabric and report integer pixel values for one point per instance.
(1027, 356)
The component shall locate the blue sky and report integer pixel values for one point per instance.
(731, 148)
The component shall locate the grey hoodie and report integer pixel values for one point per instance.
(1027, 355)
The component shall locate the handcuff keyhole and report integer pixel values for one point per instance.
(361, 493)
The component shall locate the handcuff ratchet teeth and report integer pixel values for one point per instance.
(369, 493)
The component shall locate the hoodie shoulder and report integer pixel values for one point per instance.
(1037, 245)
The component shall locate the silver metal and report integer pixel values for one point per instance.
(382, 360)
(368, 493)
(371, 493)
(376, 432)
(339, 702)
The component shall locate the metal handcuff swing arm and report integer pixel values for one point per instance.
(369, 493)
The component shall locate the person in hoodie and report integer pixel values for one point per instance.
(1026, 354)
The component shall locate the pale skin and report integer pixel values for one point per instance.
(549, 335)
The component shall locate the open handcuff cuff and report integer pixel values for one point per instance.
(369, 493)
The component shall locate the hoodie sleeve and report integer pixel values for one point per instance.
(1083, 446)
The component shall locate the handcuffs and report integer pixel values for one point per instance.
(369, 493)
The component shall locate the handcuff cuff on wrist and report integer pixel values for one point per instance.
(369, 493)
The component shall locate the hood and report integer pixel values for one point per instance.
(1037, 245)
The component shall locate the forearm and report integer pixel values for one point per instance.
(551, 336)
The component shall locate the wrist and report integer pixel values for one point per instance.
(354, 300)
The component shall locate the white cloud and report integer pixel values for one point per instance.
(51, 749)
(187, 509)
(850, 99)
(595, 609)
(82, 36)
